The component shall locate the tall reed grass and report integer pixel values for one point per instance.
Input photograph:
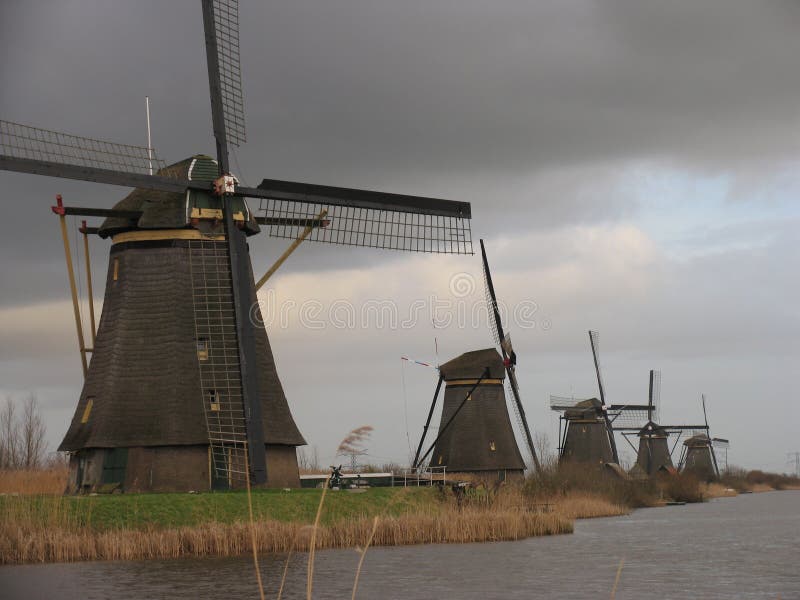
(21, 543)
(33, 481)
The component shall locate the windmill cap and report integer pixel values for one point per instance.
(472, 365)
(701, 439)
(590, 408)
(168, 210)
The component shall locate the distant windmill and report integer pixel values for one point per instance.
(476, 434)
(588, 430)
(182, 391)
(654, 453)
(698, 455)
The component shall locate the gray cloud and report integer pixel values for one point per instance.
(537, 113)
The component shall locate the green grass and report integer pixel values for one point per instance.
(145, 511)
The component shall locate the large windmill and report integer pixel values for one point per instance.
(476, 434)
(181, 391)
(587, 434)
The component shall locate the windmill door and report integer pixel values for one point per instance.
(114, 464)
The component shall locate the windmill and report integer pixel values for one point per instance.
(476, 434)
(654, 453)
(698, 455)
(182, 391)
(587, 435)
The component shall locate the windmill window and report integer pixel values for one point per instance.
(213, 400)
(202, 349)
(440, 459)
(116, 269)
(492, 446)
(87, 410)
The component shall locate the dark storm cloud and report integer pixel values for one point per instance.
(533, 111)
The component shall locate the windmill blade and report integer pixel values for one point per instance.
(626, 416)
(365, 218)
(708, 433)
(654, 395)
(594, 341)
(221, 27)
(38, 151)
(509, 357)
(721, 443)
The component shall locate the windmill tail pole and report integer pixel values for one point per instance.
(455, 414)
(89, 289)
(59, 210)
(415, 464)
(294, 245)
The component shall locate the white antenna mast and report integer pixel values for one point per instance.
(149, 144)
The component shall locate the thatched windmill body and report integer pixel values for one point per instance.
(476, 435)
(653, 454)
(699, 455)
(182, 391)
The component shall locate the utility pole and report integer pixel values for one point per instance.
(795, 458)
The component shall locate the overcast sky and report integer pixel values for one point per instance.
(632, 166)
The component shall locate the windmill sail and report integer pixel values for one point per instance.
(221, 22)
(509, 357)
(594, 340)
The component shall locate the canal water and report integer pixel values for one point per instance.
(744, 547)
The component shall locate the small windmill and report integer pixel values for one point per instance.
(698, 455)
(476, 432)
(587, 435)
(182, 390)
(654, 453)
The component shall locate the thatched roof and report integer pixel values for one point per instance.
(699, 440)
(652, 429)
(471, 365)
(591, 408)
(168, 210)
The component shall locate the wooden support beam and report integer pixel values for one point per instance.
(320, 220)
(59, 210)
(89, 282)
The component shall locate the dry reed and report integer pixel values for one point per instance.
(21, 542)
(581, 505)
(35, 481)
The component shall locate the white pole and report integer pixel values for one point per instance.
(149, 144)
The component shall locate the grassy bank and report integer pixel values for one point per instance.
(37, 524)
(132, 526)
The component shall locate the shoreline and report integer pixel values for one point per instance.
(52, 529)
